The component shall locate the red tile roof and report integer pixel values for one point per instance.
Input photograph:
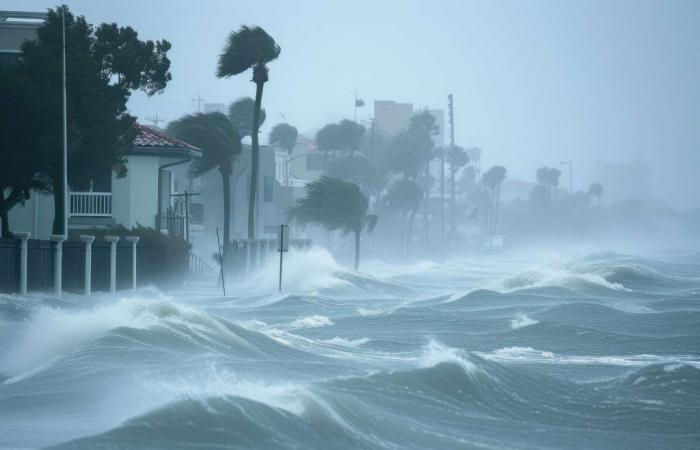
(149, 137)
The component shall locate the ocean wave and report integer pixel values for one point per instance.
(523, 320)
(314, 321)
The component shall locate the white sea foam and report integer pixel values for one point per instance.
(530, 355)
(314, 321)
(346, 342)
(52, 333)
(522, 321)
(434, 353)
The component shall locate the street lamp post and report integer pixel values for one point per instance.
(571, 176)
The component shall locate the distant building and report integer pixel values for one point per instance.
(391, 117)
(15, 28)
(622, 181)
(513, 189)
(157, 168)
(214, 107)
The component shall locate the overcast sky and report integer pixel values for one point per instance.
(535, 82)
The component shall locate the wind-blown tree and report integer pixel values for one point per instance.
(352, 168)
(335, 205)
(338, 137)
(493, 178)
(221, 145)
(250, 48)
(412, 149)
(241, 113)
(596, 190)
(553, 178)
(284, 136)
(404, 197)
(457, 158)
(104, 65)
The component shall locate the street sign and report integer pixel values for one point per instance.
(283, 239)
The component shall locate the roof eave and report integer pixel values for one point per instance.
(165, 151)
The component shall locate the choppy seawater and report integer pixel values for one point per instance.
(600, 351)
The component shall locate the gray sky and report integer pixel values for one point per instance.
(535, 82)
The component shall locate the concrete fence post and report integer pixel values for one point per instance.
(24, 238)
(112, 262)
(133, 240)
(58, 264)
(88, 262)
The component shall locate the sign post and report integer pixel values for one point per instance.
(282, 246)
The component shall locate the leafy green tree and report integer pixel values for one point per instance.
(493, 178)
(285, 136)
(596, 190)
(104, 66)
(220, 144)
(241, 113)
(404, 197)
(457, 158)
(21, 173)
(335, 205)
(250, 48)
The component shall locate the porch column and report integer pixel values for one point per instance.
(58, 264)
(133, 240)
(23, 236)
(112, 262)
(88, 262)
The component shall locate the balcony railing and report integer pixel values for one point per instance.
(91, 204)
(196, 213)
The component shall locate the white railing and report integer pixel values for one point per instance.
(91, 204)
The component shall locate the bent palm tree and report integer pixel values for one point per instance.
(405, 196)
(241, 113)
(220, 144)
(493, 179)
(596, 190)
(457, 158)
(285, 136)
(250, 48)
(335, 205)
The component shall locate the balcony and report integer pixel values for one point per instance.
(91, 204)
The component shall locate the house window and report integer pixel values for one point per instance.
(267, 189)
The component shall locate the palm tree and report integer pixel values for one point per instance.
(335, 205)
(493, 179)
(404, 196)
(241, 113)
(220, 144)
(553, 177)
(596, 190)
(457, 158)
(285, 136)
(250, 48)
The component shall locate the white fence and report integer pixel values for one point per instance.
(91, 204)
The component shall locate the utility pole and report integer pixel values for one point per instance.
(155, 120)
(199, 100)
(66, 209)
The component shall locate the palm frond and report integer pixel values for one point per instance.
(245, 48)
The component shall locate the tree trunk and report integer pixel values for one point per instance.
(498, 206)
(254, 160)
(357, 249)
(442, 199)
(226, 183)
(410, 233)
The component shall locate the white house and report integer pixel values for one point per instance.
(157, 172)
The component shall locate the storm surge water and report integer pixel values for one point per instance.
(599, 351)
